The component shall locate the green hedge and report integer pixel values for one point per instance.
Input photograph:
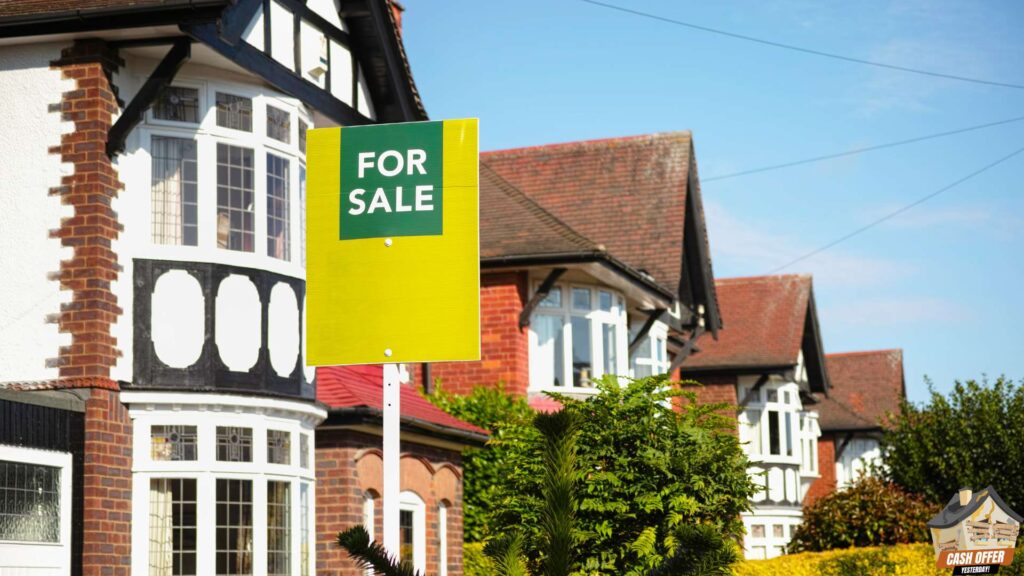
(474, 563)
(899, 560)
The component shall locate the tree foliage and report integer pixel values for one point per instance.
(871, 512)
(646, 471)
(970, 438)
(372, 555)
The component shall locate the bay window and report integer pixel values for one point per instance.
(651, 355)
(577, 333)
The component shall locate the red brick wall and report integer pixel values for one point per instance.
(348, 465)
(90, 189)
(826, 483)
(504, 348)
(107, 486)
(716, 389)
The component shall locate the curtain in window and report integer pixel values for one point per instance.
(174, 191)
(161, 529)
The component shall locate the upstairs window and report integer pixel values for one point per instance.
(278, 217)
(235, 194)
(279, 125)
(234, 112)
(174, 191)
(177, 104)
(651, 356)
(577, 333)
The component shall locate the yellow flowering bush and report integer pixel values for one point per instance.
(899, 560)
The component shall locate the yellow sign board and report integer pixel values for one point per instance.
(392, 243)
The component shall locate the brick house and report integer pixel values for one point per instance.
(770, 363)
(866, 388)
(570, 290)
(156, 413)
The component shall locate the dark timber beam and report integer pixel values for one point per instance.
(236, 17)
(754, 390)
(842, 445)
(687, 348)
(540, 294)
(278, 75)
(652, 317)
(155, 84)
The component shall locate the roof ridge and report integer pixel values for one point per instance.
(553, 222)
(592, 143)
(865, 352)
(763, 278)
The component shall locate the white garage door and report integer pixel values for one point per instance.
(35, 512)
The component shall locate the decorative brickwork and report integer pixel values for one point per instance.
(107, 486)
(504, 347)
(90, 189)
(825, 484)
(346, 469)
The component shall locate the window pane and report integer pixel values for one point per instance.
(777, 530)
(757, 531)
(550, 348)
(581, 298)
(302, 136)
(304, 543)
(553, 299)
(234, 112)
(172, 527)
(29, 502)
(608, 337)
(773, 433)
(234, 444)
(659, 350)
(279, 528)
(581, 352)
(173, 443)
(641, 370)
(234, 527)
(279, 447)
(278, 220)
(302, 214)
(279, 124)
(178, 104)
(304, 450)
(406, 541)
(644, 349)
(754, 427)
(235, 198)
(773, 396)
(789, 433)
(174, 191)
(604, 300)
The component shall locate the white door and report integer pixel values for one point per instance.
(35, 520)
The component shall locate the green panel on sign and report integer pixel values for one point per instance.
(391, 180)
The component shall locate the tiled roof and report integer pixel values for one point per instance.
(513, 225)
(764, 317)
(15, 8)
(361, 386)
(609, 191)
(865, 386)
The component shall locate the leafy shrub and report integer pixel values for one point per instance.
(484, 469)
(970, 438)
(898, 560)
(647, 471)
(474, 561)
(871, 512)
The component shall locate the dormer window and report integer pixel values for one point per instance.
(577, 333)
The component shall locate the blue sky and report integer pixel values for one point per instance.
(942, 281)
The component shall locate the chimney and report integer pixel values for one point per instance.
(396, 13)
(965, 496)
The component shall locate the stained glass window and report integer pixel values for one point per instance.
(234, 444)
(234, 112)
(234, 527)
(302, 136)
(279, 447)
(172, 527)
(279, 523)
(29, 502)
(279, 124)
(177, 103)
(173, 443)
(304, 450)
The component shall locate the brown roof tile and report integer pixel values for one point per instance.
(628, 194)
(865, 387)
(765, 318)
(15, 8)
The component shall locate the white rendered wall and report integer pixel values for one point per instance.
(27, 212)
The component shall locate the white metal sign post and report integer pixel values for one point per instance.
(392, 457)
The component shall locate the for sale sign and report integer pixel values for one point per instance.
(393, 263)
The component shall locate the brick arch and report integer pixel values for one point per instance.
(370, 470)
(446, 483)
(417, 475)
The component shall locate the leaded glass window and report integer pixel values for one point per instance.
(234, 444)
(278, 218)
(279, 447)
(304, 450)
(177, 103)
(29, 502)
(304, 543)
(235, 196)
(302, 135)
(172, 527)
(174, 191)
(406, 543)
(279, 124)
(173, 443)
(279, 523)
(234, 527)
(234, 112)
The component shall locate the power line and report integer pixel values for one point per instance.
(897, 212)
(861, 150)
(804, 50)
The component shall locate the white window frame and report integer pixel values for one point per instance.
(17, 554)
(411, 502)
(540, 368)
(657, 339)
(369, 520)
(442, 539)
(787, 403)
(207, 413)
